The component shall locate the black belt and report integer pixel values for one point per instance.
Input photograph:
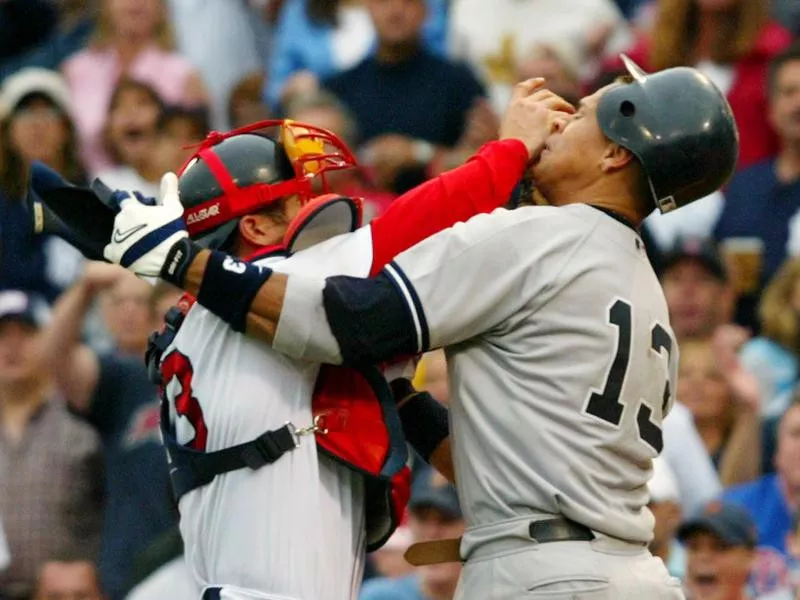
(559, 530)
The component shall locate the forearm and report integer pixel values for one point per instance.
(63, 333)
(741, 460)
(265, 309)
(481, 185)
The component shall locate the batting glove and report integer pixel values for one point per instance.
(144, 232)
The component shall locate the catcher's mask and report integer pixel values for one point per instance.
(243, 171)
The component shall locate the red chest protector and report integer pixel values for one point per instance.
(356, 421)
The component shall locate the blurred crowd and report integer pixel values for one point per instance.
(121, 89)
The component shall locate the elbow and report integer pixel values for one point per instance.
(369, 319)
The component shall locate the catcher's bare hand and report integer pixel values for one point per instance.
(532, 114)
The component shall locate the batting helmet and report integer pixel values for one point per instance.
(241, 172)
(680, 127)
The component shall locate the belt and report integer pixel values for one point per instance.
(559, 529)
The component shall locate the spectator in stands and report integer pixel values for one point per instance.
(71, 32)
(245, 104)
(773, 356)
(434, 514)
(720, 547)
(558, 63)
(220, 38)
(731, 41)
(113, 392)
(178, 128)
(35, 124)
(696, 287)
(665, 504)
(495, 37)
(51, 463)
(410, 105)
(324, 110)
(134, 38)
(772, 499)
(389, 561)
(724, 400)
(70, 579)
(23, 24)
(131, 136)
(316, 39)
(761, 200)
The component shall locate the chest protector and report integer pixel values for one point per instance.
(355, 417)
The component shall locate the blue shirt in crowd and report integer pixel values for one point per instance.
(140, 508)
(383, 588)
(764, 501)
(425, 97)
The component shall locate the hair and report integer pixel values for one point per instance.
(323, 12)
(14, 171)
(779, 321)
(198, 117)
(791, 54)
(104, 34)
(677, 27)
(248, 89)
(322, 99)
(126, 84)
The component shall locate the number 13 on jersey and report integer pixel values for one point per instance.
(606, 404)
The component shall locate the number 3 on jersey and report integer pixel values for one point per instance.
(605, 405)
(178, 367)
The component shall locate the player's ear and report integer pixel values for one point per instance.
(615, 157)
(257, 229)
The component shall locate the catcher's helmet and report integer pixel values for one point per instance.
(680, 127)
(243, 171)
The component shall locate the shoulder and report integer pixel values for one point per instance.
(757, 490)
(80, 437)
(81, 61)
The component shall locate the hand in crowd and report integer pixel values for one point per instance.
(726, 342)
(99, 276)
(597, 38)
(533, 114)
(482, 125)
(387, 154)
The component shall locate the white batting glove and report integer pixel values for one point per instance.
(143, 234)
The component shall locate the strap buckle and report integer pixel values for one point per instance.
(298, 432)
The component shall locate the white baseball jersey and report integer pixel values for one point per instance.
(561, 360)
(293, 529)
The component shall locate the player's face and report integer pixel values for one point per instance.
(784, 107)
(715, 571)
(695, 298)
(787, 457)
(701, 386)
(19, 352)
(575, 149)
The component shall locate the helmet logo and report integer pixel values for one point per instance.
(203, 214)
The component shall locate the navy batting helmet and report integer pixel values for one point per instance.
(680, 127)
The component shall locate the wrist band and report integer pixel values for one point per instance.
(425, 423)
(229, 287)
(179, 257)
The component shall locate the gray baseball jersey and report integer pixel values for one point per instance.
(561, 360)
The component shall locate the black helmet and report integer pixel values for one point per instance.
(244, 171)
(680, 127)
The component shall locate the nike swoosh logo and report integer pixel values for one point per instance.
(121, 236)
